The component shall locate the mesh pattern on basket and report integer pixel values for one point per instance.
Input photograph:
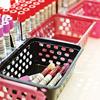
(10, 90)
(90, 10)
(63, 28)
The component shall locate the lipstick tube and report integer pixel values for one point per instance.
(2, 52)
(32, 16)
(41, 75)
(6, 30)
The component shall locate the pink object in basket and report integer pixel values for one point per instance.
(66, 28)
(11, 90)
(89, 10)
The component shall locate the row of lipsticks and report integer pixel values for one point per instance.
(26, 16)
(50, 76)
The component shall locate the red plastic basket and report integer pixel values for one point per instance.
(89, 10)
(10, 90)
(66, 28)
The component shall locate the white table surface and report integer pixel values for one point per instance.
(85, 81)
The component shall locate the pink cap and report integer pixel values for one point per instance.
(12, 7)
(28, 3)
(10, 20)
(24, 5)
(37, 4)
(25, 78)
(21, 1)
(1, 31)
(6, 27)
(42, 4)
(32, 10)
(6, 11)
(27, 12)
(21, 16)
(1, 11)
(16, 4)
(12, 2)
(13, 14)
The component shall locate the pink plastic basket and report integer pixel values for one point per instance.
(66, 28)
(88, 10)
(10, 90)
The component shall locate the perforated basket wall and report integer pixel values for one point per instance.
(88, 10)
(10, 90)
(34, 55)
(70, 29)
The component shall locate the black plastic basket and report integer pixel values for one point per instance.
(34, 55)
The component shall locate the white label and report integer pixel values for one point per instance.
(55, 80)
(32, 18)
(37, 19)
(27, 26)
(49, 10)
(22, 29)
(38, 78)
(15, 27)
(46, 80)
(41, 16)
(45, 13)
(13, 36)
(7, 41)
(54, 7)
(1, 48)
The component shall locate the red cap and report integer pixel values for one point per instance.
(1, 11)
(49, 1)
(13, 14)
(21, 16)
(24, 5)
(37, 4)
(27, 12)
(42, 4)
(19, 8)
(33, 1)
(12, 7)
(46, 3)
(21, 1)
(12, 2)
(32, 10)
(16, 4)
(28, 3)
(6, 11)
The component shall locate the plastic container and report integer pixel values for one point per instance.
(11, 90)
(33, 56)
(88, 10)
(70, 29)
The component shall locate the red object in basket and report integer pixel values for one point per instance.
(66, 28)
(89, 10)
(13, 90)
